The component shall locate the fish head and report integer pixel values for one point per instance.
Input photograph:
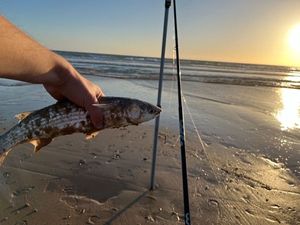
(124, 111)
(140, 111)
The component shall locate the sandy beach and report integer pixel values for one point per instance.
(246, 172)
(105, 181)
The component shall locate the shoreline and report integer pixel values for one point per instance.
(241, 176)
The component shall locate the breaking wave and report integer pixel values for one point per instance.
(147, 68)
(12, 83)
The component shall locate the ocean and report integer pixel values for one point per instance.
(147, 68)
(255, 108)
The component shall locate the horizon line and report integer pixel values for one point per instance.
(185, 59)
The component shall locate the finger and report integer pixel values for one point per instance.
(99, 93)
(95, 113)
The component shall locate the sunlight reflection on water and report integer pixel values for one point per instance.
(293, 76)
(289, 114)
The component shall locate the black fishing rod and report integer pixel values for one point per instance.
(187, 215)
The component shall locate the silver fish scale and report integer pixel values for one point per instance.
(54, 120)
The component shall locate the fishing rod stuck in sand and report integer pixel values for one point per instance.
(187, 217)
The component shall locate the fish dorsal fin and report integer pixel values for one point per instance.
(91, 135)
(39, 143)
(104, 106)
(22, 116)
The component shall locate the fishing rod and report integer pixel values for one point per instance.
(187, 216)
(162, 63)
(187, 219)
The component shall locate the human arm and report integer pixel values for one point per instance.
(22, 58)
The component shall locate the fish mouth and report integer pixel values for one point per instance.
(157, 110)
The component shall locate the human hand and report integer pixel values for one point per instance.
(77, 89)
(23, 58)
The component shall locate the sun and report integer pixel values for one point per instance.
(294, 39)
(293, 46)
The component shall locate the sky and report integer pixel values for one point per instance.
(249, 31)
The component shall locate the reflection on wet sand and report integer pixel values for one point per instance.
(289, 114)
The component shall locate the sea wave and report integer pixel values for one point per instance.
(147, 68)
(222, 79)
(85, 63)
(12, 83)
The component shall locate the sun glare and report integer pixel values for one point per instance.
(294, 39)
(289, 114)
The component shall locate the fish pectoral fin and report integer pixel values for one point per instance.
(91, 135)
(39, 143)
(3, 156)
(21, 116)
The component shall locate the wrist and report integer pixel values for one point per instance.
(61, 73)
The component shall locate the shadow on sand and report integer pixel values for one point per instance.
(120, 212)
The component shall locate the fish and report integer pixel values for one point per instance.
(64, 118)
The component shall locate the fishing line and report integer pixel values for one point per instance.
(187, 217)
(172, 76)
(211, 165)
(210, 162)
(196, 130)
(194, 125)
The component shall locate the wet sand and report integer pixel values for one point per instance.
(247, 172)
(105, 181)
